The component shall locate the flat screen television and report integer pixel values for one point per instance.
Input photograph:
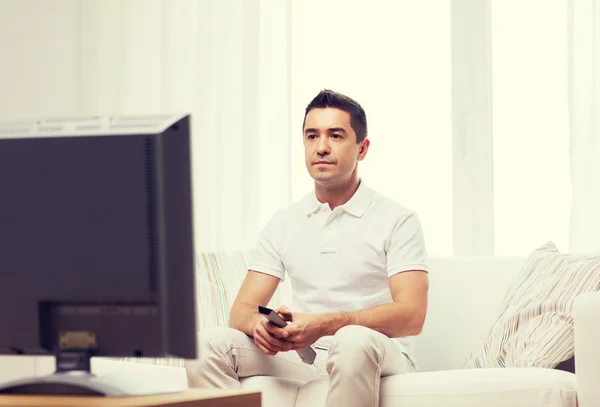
(96, 245)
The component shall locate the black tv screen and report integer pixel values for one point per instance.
(96, 237)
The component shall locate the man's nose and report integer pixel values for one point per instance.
(323, 146)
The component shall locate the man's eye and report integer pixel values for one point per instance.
(336, 136)
(311, 136)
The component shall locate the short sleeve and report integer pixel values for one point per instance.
(266, 257)
(407, 246)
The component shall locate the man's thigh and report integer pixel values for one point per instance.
(355, 341)
(239, 350)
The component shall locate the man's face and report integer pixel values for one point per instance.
(330, 149)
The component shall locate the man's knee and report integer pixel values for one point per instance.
(218, 340)
(353, 347)
(353, 338)
(213, 343)
(213, 346)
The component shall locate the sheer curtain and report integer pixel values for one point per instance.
(483, 114)
(225, 62)
(584, 111)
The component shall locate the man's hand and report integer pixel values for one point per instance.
(269, 338)
(304, 329)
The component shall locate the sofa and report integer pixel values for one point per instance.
(464, 297)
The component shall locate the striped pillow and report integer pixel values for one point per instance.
(534, 327)
(219, 276)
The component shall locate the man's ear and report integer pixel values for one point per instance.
(364, 147)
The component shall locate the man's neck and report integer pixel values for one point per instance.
(336, 195)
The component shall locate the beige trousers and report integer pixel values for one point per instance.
(355, 363)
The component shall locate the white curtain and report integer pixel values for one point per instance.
(224, 61)
(584, 111)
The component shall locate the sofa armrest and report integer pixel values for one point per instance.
(586, 312)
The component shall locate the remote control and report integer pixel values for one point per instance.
(307, 355)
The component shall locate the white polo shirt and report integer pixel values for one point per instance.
(341, 260)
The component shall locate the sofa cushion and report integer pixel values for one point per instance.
(534, 325)
(514, 387)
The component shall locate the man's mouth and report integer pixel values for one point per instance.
(323, 162)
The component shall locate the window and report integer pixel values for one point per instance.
(532, 190)
(393, 58)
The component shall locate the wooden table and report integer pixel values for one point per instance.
(187, 398)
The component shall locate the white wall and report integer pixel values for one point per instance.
(39, 54)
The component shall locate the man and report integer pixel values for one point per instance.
(356, 261)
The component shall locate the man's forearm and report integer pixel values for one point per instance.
(243, 317)
(394, 320)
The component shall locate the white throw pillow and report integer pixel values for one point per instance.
(534, 326)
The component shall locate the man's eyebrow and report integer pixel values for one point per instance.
(331, 130)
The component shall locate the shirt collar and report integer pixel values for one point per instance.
(356, 206)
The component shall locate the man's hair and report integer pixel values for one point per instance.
(329, 98)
